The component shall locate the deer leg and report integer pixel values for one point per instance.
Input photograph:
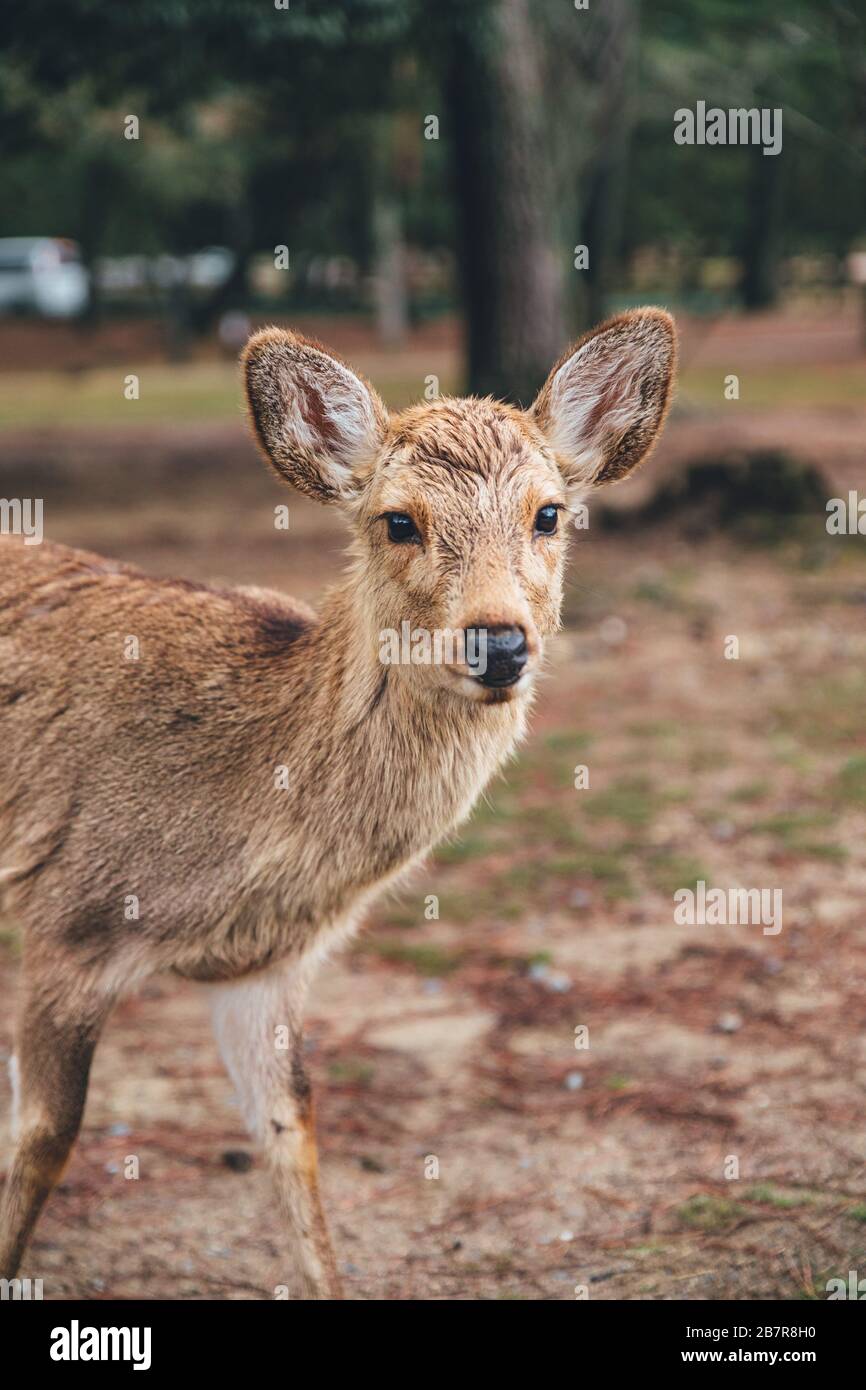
(257, 1024)
(54, 1045)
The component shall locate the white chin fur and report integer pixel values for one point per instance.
(472, 689)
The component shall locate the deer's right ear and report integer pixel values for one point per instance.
(319, 424)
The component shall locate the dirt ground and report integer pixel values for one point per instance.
(712, 1050)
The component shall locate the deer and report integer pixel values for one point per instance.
(217, 783)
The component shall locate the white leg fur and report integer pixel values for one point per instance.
(257, 1022)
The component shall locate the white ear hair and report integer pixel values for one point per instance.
(318, 423)
(604, 403)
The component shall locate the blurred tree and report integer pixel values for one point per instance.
(305, 127)
(511, 274)
(249, 119)
(791, 54)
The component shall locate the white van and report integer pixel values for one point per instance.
(43, 275)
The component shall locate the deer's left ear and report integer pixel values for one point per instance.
(605, 401)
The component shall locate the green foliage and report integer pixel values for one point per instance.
(267, 126)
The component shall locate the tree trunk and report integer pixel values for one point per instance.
(510, 266)
(759, 256)
(601, 229)
(99, 186)
(202, 316)
(390, 293)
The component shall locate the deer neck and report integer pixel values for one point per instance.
(410, 757)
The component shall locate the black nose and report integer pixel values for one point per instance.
(496, 655)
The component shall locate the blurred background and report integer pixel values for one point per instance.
(446, 194)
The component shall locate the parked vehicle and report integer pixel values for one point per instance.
(42, 275)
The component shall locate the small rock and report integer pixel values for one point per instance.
(574, 1081)
(559, 982)
(371, 1165)
(555, 980)
(566, 1236)
(613, 631)
(237, 1160)
(729, 1023)
(119, 1131)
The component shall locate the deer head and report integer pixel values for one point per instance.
(460, 507)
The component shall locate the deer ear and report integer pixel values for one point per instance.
(319, 424)
(605, 401)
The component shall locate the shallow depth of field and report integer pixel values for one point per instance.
(455, 1038)
(547, 1085)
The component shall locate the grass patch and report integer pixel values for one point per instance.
(709, 1214)
(618, 1082)
(830, 384)
(551, 826)
(670, 872)
(630, 800)
(426, 959)
(405, 916)
(351, 1071)
(834, 854)
(765, 1195)
(174, 393)
(657, 592)
(568, 743)
(851, 781)
(829, 710)
(750, 791)
(790, 825)
(654, 728)
(605, 867)
(471, 846)
(792, 830)
(706, 758)
(539, 958)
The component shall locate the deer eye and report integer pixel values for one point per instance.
(401, 528)
(546, 520)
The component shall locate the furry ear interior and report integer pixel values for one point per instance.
(319, 424)
(605, 401)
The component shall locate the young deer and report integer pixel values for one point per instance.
(257, 774)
